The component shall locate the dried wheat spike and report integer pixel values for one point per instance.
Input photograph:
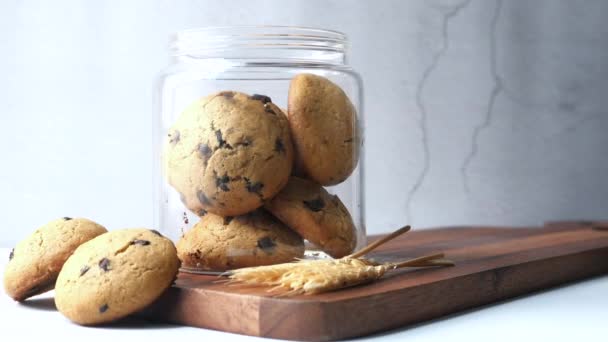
(317, 276)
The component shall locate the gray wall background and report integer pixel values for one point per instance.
(478, 112)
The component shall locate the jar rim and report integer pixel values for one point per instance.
(213, 38)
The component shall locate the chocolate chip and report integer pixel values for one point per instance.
(227, 94)
(201, 212)
(266, 243)
(11, 255)
(202, 198)
(197, 254)
(204, 150)
(103, 308)
(220, 140)
(104, 264)
(255, 187)
(269, 109)
(174, 137)
(265, 99)
(140, 242)
(227, 220)
(222, 182)
(67, 218)
(84, 270)
(156, 232)
(278, 145)
(348, 140)
(315, 205)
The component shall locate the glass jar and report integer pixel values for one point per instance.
(250, 60)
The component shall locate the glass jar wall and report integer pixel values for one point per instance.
(259, 146)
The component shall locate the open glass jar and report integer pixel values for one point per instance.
(236, 132)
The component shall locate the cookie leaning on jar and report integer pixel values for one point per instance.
(324, 128)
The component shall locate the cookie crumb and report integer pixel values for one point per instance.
(11, 255)
(185, 218)
(104, 264)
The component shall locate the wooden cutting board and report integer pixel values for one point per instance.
(492, 264)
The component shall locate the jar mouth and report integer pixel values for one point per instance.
(232, 41)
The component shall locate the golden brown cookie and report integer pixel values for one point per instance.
(228, 152)
(324, 127)
(317, 216)
(114, 275)
(254, 239)
(36, 261)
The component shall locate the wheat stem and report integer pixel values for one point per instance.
(377, 243)
(415, 261)
(434, 262)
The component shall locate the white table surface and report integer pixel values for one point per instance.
(577, 312)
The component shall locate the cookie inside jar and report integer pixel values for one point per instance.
(260, 162)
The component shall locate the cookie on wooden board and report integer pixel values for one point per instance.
(324, 128)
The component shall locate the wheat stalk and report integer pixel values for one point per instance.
(317, 276)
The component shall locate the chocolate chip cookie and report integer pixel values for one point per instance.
(319, 217)
(325, 131)
(36, 261)
(228, 152)
(223, 243)
(114, 275)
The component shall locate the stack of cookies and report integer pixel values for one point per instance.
(255, 175)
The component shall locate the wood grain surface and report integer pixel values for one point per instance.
(492, 264)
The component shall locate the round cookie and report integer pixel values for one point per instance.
(324, 128)
(317, 216)
(228, 152)
(36, 261)
(254, 239)
(114, 275)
